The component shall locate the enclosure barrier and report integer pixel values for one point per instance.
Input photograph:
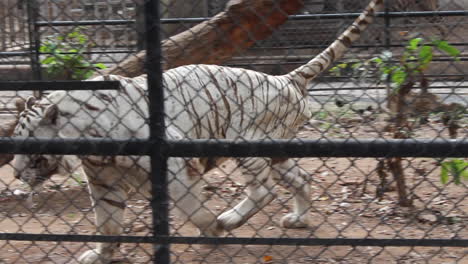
(160, 149)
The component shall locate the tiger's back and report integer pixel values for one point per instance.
(231, 103)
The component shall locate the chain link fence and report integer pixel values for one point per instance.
(366, 163)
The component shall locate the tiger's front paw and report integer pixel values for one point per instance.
(230, 220)
(93, 257)
(293, 220)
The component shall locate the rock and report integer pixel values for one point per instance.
(139, 228)
(345, 205)
(426, 217)
(19, 192)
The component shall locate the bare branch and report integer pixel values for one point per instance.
(214, 41)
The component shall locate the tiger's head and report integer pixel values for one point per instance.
(36, 121)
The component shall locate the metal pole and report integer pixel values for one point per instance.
(363, 148)
(388, 44)
(159, 201)
(34, 42)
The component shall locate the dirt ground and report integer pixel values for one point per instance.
(344, 205)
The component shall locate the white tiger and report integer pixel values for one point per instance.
(203, 101)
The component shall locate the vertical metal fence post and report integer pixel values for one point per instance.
(388, 36)
(140, 26)
(388, 42)
(159, 202)
(32, 8)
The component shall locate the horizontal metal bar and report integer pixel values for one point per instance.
(58, 85)
(14, 53)
(96, 52)
(183, 20)
(103, 147)
(229, 148)
(370, 242)
(261, 46)
(335, 16)
(27, 53)
(364, 88)
(85, 22)
(292, 17)
(320, 148)
(382, 14)
(425, 13)
(283, 63)
(116, 22)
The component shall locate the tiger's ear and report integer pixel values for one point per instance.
(50, 114)
(30, 102)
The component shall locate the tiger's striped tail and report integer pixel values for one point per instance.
(307, 72)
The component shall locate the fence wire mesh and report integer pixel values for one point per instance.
(366, 163)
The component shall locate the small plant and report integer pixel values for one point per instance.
(457, 168)
(401, 76)
(417, 56)
(65, 56)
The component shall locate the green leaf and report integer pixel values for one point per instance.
(425, 56)
(356, 65)
(342, 65)
(388, 70)
(399, 76)
(446, 47)
(48, 60)
(414, 43)
(336, 71)
(81, 63)
(44, 49)
(377, 60)
(88, 74)
(459, 170)
(100, 66)
(444, 177)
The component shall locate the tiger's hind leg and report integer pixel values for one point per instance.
(290, 176)
(186, 192)
(108, 197)
(259, 192)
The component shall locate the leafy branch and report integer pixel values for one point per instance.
(401, 75)
(416, 57)
(65, 56)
